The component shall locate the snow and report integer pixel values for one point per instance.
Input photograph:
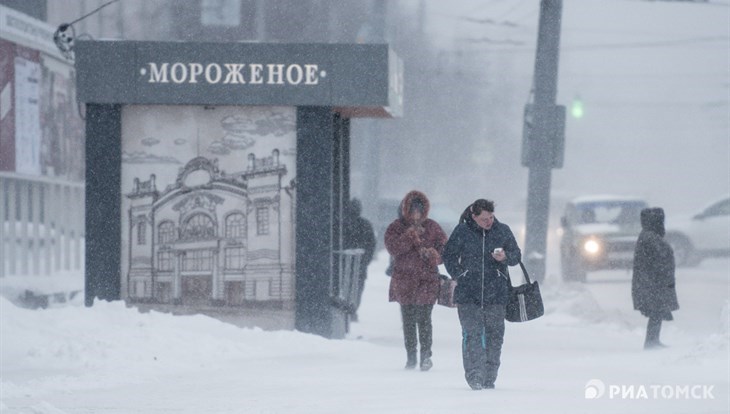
(110, 358)
(650, 84)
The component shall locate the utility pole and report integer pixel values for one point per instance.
(543, 136)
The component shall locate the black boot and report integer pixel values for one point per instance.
(426, 363)
(653, 328)
(475, 382)
(411, 361)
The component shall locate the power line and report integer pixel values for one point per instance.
(635, 45)
(660, 43)
(92, 12)
(703, 2)
(515, 7)
(648, 75)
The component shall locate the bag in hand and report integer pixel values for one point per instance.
(525, 301)
(446, 292)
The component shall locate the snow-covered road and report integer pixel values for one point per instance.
(111, 359)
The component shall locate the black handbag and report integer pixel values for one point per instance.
(446, 291)
(525, 301)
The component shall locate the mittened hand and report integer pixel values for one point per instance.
(411, 232)
(414, 234)
(430, 255)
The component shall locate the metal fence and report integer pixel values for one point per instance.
(345, 283)
(42, 229)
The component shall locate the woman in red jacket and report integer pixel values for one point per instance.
(415, 242)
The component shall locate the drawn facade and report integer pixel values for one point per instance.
(210, 238)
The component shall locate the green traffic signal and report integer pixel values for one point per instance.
(576, 109)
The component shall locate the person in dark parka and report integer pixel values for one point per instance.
(358, 234)
(482, 289)
(653, 284)
(416, 243)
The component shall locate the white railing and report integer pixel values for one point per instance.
(42, 229)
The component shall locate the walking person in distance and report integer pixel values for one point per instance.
(359, 234)
(477, 255)
(653, 284)
(415, 242)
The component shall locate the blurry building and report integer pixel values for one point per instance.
(41, 149)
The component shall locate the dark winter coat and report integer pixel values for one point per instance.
(652, 286)
(358, 234)
(416, 252)
(481, 279)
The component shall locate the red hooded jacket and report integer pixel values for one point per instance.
(416, 251)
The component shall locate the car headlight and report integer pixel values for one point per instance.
(592, 247)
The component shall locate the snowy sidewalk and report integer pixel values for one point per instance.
(111, 359)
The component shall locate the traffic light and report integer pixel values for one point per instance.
(576, 108)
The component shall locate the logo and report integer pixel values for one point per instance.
(596, 389)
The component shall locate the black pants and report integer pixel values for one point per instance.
(482, 330)
(653, 328)
(417, 328)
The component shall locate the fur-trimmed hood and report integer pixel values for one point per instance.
(408, 201)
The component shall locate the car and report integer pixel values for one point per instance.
(599, 232)
(702, 235)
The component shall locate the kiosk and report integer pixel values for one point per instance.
(217, 173)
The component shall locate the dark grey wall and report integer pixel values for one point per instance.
(315, 235)
(323, 187)
(103, 201)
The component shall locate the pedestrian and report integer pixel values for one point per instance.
(653, 284)
(416, 243)
(477, 255)
(358, 234)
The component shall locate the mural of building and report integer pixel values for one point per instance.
(213, 238)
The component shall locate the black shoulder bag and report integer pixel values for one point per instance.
(525, 301)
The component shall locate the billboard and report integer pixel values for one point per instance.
(208, 205)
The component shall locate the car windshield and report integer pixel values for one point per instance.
(623, 213)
